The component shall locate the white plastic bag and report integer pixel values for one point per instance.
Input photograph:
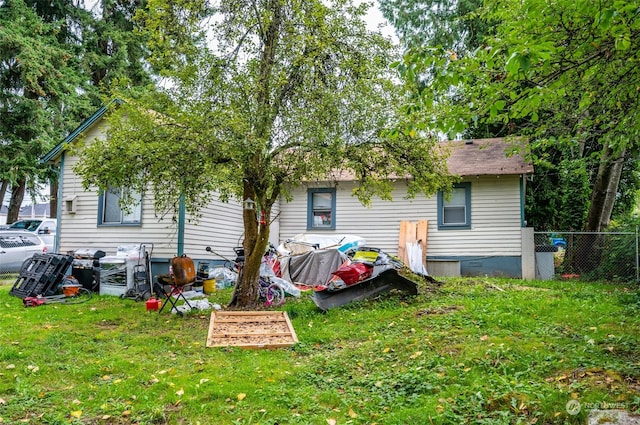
(289, 288)
(414, 255)
(224, 277)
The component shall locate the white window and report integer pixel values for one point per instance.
(110, 211)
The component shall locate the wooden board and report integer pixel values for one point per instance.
(251, 329)
(411, 232)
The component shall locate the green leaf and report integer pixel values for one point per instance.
(513, 64)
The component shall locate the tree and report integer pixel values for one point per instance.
(114, 51)
(447, 23)
(36, 73)
(291, 91)
(56, 59)
(557, 72)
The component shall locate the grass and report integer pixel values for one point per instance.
(477, 350)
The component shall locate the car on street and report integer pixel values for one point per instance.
(16, 247)
(43, 227)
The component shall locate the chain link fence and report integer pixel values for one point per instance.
(592, 256)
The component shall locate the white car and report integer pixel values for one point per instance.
(43, 227)
(16, 247)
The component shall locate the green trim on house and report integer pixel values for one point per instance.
(59, 201)
(59, 148)
(181, 224)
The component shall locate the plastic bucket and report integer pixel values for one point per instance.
(71, 290)
(209, 286)
(153, 304)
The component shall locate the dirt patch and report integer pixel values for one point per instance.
(596, 377)
(528, 288)
(445, 309)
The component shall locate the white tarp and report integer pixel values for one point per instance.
(414, 255)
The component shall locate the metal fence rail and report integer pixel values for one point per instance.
(593, 256)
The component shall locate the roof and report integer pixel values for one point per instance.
(54, 153)
(482, 157)
(477, 157)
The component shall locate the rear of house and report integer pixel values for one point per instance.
(480, 228)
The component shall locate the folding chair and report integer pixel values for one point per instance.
(182, 273)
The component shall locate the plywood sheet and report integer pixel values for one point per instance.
(250, 329)
(411, 232)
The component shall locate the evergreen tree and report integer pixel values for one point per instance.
(58, 62)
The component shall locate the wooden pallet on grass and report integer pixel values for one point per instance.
(251, 329)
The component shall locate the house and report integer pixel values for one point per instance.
(91, 220)
(480, 229)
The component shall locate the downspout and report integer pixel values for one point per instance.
(56, 239)
(523, 181)
(181, 223)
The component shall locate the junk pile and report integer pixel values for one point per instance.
(341, 269)
(43, 280)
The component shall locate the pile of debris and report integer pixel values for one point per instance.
(341, 269)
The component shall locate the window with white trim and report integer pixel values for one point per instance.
(111, 213)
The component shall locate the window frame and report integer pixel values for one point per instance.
(310, 209)
(101, 210)
(442, 204)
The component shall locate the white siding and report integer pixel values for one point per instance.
(495, 219)
(219, 227)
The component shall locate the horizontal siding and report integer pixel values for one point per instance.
(81, 230)
(495, 219)
(219, 226)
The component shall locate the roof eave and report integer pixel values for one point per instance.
(54, 153)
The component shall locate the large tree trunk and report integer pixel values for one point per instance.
(17, 196)
(256, 236)
(256, 240)
(604, 192)
(587, 252)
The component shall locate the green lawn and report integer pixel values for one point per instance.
(475, 351)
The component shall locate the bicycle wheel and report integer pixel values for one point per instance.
(275, 294)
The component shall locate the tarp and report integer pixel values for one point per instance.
(313, 268)
(414, 253)
(306, 242)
